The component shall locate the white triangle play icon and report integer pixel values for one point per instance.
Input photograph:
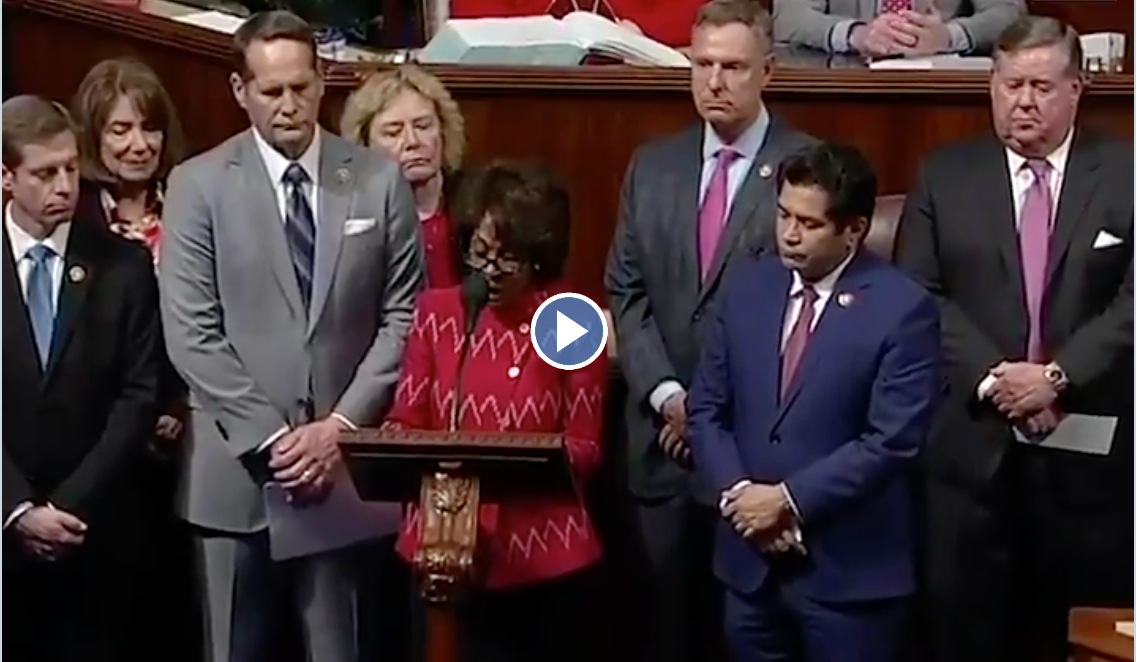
(567, 331)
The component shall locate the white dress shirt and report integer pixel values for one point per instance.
(21, 243)
(1022, 178)
(747, 147)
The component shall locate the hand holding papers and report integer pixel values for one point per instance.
(544, 40)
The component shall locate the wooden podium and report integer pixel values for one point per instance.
(449, 474)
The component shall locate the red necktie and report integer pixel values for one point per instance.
(799, 336)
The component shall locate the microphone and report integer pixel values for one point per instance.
(475, 296)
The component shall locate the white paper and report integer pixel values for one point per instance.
(1081, 433)
(943, 62)
(342, 520)
(212, 20)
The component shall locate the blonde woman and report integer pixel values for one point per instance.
(407, 113)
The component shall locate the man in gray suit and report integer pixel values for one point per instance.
(887, 28)
(692, 204)
(290, 265)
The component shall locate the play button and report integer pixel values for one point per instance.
(569, 331)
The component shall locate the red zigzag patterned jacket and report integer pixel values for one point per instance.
(508, 387)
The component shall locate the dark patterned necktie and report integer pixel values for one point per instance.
(300, 228)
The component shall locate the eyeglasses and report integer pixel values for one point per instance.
(504, 266)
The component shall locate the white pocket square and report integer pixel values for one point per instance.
(1105, 239)
(358, 225)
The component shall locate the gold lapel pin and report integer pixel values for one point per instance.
(765, 171)
(344, 175)
(845, 299)
(77, 274)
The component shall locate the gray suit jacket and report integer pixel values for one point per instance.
(810, 22)
(235, 328)
(652, 277)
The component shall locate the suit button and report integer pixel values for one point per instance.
(776, 441)
(697, 315)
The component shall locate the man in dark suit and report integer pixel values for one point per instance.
(817, 384)
(81, 365)
(692, 204)
(1033, 269)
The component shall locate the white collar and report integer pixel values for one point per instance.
(747, 145)
(1056, 159)
(824, 286)
(22, 242)
(276, 163)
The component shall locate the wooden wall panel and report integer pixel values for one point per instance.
(586, 122)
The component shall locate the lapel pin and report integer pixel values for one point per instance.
(845, 299)
(344, 175)
(77, 274)
(765, 171)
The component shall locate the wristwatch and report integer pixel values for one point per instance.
(1055, 374)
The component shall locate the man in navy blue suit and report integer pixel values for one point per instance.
(816, 388)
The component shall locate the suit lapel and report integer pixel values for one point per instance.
(770, 317)
(831, 331)
(684, 211)
(1079, 184)
(18, 343)
(751, 202)
(80, 269)
(334, 198)
(266, 224)
(993, 187)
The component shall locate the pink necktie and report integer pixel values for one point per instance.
(713, 213)
(1034, 237)
(896, 6)
(799, 335)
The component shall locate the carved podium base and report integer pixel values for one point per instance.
(444, 564)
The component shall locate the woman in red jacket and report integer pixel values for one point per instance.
(535, 554)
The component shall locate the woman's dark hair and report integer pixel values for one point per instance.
(100, 90)
(529, 208)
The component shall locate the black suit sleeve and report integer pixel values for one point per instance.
(132, 416)
(643, 358)
(16, 488)
(1103, 341)
(969, 354)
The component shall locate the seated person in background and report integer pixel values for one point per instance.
(408, 114)
(884, 28)
(536, 599)
(129, 140)
(666, 22)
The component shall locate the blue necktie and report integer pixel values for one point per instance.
(300, 229)
(41, 310)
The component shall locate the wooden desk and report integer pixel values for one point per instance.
(585, 122)
(1092, 635)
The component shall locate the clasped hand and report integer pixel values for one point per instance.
(673, 437)
(903, 33)
(48, 532)
(762, 513)
(304, 459)
(1024, 394)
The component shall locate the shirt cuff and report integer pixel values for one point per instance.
(274, 438)
(958, 39)
(840, 36)
(985, 386)
(662, 392)
(723, 497)
(352, 427)
(20, 509)
(790, 499)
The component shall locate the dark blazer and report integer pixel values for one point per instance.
(964, 249)
(842, 437)
(658, 302)
(74, 432)
(172, 392)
